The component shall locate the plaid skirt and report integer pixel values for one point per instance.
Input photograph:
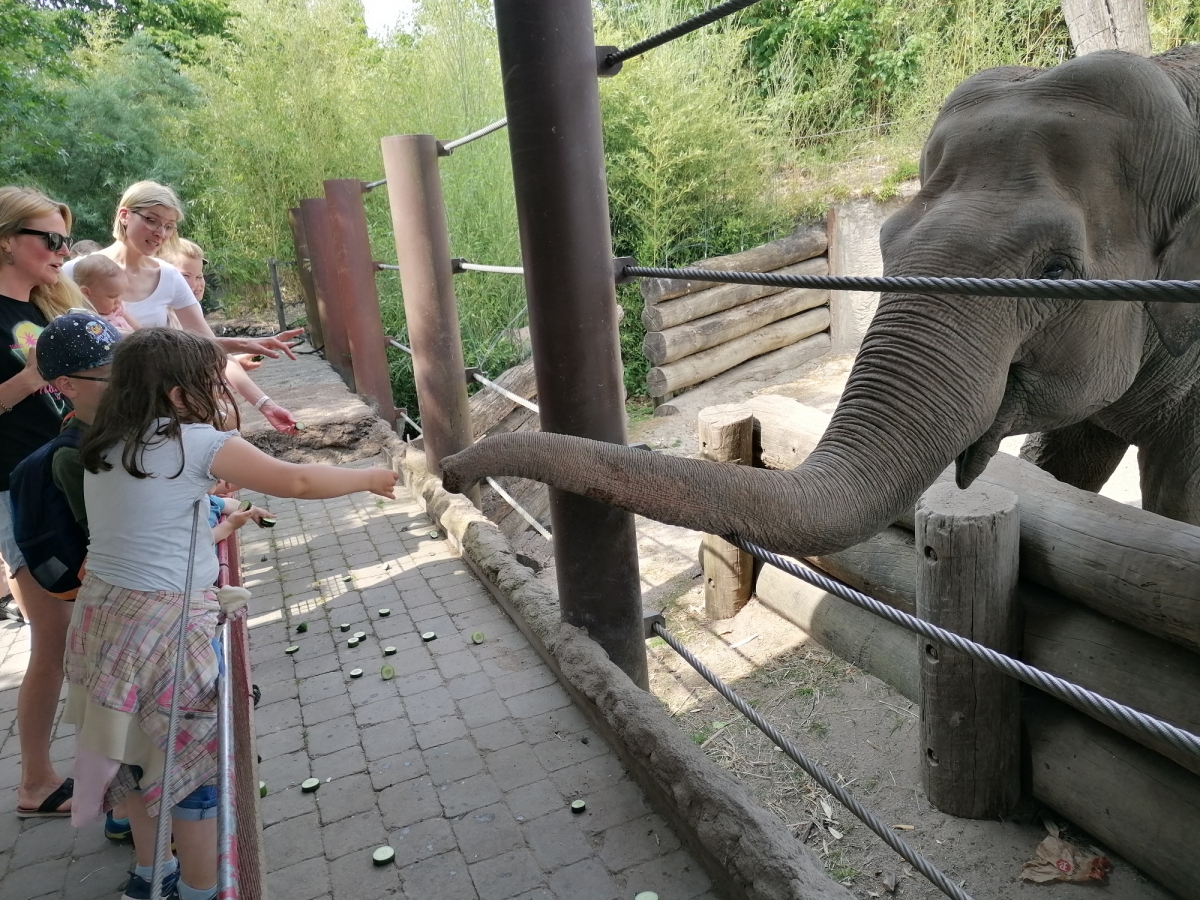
(120, 667)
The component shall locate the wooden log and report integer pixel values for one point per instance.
(662, 347)
(704, 365)
(1138, 803)
(726, 435)
(1124, 562)
(721, 297)
(1060, 636)
(1128, 798)
(803, 243)
(761, 368)
(489, 408)
(970, 712)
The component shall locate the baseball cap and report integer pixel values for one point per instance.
(75, 342)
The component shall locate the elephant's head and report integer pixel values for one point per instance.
(1089, 170)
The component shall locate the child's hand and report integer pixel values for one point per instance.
(249, 362)
(242, 516)
(381, 482)
(257, 513)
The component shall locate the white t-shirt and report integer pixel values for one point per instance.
(171, 291)
(140, 527)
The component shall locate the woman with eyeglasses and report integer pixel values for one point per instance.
(145, 227)
(34, 244)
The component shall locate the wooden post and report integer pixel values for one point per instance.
(316, 336)
(967, 544)
(726, 435)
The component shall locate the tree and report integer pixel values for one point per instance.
(176, 27)
(1108, 25)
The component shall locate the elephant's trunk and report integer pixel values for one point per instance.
(927, 383)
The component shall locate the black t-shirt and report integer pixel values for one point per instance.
(38, 417)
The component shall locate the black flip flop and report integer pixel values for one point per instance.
(50, 806)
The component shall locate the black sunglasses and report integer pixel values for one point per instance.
(54, 240)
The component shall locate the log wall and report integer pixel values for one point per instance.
(697, 331)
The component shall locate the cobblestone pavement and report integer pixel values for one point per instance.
(466, 762)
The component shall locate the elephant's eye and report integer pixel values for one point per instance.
(1055, 269)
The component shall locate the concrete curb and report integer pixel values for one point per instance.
(746, 851)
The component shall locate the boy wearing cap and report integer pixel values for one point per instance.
(74, 355)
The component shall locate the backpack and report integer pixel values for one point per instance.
(52, 542)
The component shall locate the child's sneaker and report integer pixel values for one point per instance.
(139, 887)
(117, 830)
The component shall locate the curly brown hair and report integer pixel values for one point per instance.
(147, 366)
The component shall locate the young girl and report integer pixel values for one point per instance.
(153, 451)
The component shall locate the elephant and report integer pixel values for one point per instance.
(1090, 169)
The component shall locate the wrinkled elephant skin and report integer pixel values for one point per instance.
(1087, 170)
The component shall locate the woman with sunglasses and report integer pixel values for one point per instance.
(33, 247)
(145, 226)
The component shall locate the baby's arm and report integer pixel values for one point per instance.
(242, 463)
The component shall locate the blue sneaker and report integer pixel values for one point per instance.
(139, 888)
(117, 830)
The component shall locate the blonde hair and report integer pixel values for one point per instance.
(185, 249)
(143, 195)
(93, 267)
(17, 206)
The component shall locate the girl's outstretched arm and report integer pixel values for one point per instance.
(244, 464)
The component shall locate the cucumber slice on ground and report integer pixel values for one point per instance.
(290, 650)
(308, 785)
(352, 643)
(578, 806)
(345, 626)
(384, 613)
(389, 651)
(356, 673)
(302, 627)
(477, 637)
(429, 636)
(359, 635)
(433, 534)
(262, 789)
(347, 577)
(383, 855)
(646, 895)
(387, 673)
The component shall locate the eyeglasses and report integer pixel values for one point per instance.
(88, 378)
(54, 240)
(154, 224)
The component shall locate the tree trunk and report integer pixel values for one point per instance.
(1108, 25)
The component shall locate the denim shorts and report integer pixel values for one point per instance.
(9, 551)
(198, 805)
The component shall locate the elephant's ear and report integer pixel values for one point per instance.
(1179, 323)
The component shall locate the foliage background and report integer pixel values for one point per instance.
(714, 143)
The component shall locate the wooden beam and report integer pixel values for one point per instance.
(726, 435)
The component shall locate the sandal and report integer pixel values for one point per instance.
(50, 806)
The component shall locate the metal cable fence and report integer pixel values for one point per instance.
(677, 31)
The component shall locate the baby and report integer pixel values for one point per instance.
(103, 282)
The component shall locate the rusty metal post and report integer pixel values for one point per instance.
(355, 269)
(410, 162)
(312, 312)
(325, 283)
(548, 69)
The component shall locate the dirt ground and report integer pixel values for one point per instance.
(850, 722)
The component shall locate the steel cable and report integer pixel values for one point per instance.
(450, 146)
(1036, 288)
(818, 774)
(677, 31)
(1060, 688)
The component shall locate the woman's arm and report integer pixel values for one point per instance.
(241, 462)
(192, 319)
(27, 381)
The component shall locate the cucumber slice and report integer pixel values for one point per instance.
(433, 534)
(262, 789)
(356, 673)
(387, 673)
(578, 806)
(302, 627)
(384, 613)
(352, 643)
(290, 650)
(308, 785)
(389, 651)
(268, 522)
(477, 637)
(383, 855)
(646, 895)
(347, 577)
(345, 626)
(429, 636)
(359, 635)
(244, 505)
(300, 426)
